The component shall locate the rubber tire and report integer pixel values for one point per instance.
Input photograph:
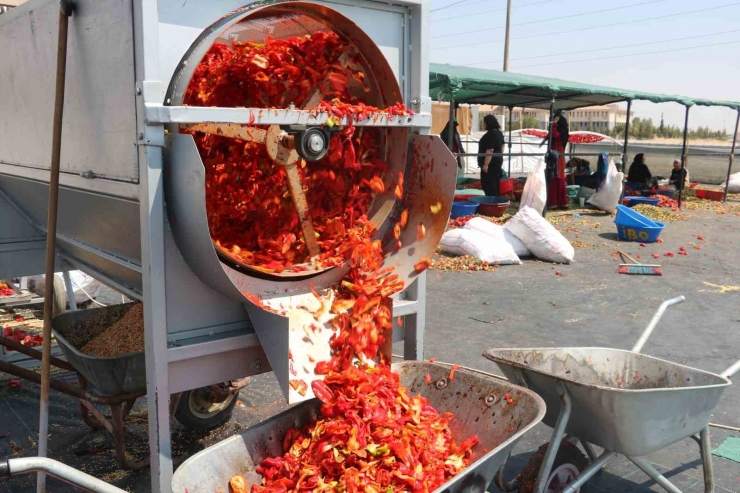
(568, 454)
(185, 416)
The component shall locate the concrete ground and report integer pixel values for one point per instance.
(589, 304)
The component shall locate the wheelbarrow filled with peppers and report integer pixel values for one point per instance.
(496, 411)
(623, 401)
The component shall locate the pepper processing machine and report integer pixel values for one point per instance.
(131, 197)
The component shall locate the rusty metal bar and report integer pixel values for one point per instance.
(16, 346)
(66, 7)
(683, 153)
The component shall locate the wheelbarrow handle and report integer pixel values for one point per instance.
(654, 321)
(55, 469)
(730, 372)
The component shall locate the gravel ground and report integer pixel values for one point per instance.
(514, 306)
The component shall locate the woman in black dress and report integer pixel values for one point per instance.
(490, 166)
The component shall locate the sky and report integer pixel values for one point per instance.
(674, 46)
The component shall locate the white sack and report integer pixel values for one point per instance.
(535, 190)
(499, 233)
(734, 186)
(608, 195)
(80, 282)
(541, 238)
(463, 241)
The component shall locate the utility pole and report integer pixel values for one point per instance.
(506, 42)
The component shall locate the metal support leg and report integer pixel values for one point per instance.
(70, 290)
(596, 466)
(706, 460)
(557, 436)
(413, 330)
(498, 479)
(589, 451)
(654, 474)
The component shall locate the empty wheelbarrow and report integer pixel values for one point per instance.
(626, 402)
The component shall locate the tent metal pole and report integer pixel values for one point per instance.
(625, 159)
(511, 110)
(732, 155)
(683, 152)
(549, 148)
(451, 124)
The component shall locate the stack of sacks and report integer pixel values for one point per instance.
(540, 237)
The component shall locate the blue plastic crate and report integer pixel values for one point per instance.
(634, 200)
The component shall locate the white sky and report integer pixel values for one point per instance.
(591, 47)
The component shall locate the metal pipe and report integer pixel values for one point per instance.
(706, 460)
(70, 291)
(16, 346)
(729, 372)
(549, 148)
(654, 474)
(626, 143)
(506, 39)
(683, 152)
(451, 124)
(732, 155)
(557, 435)
(65, 11)
(533, 154)
(595, 466)
(654, 321)
(511, 110)
(57, 470)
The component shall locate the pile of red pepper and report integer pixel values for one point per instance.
(5, 290)
(372, 436)
(250, 211)
(23, 337)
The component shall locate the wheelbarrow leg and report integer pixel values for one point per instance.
(654, 474)
(557, 436)
(706, 460)
(499, 482)
(117, 413)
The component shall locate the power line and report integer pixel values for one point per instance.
(554, 33)
(551, 19)
(451, 5)
(490, 11)
(631, 54)
(683, 38)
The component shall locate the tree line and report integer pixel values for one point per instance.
(645, 129)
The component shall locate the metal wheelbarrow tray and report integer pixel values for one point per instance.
(626, 402)
(477, 401)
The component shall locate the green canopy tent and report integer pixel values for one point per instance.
(469, 85)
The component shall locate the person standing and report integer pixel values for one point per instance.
(557, 193)
(457, 146)
(490, 166)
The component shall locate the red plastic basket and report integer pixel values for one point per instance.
(716, 195)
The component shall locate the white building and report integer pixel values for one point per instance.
(597, 118)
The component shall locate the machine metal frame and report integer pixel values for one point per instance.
(194, 336)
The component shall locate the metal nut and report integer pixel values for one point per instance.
(257, 365)
(490, 400)
(441, 383)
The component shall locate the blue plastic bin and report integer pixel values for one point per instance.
(633, 226)
(460, 209)
(628, 217)
(633, 201)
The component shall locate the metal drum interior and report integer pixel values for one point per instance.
(378, 88)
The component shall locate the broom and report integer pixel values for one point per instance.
(637, 268)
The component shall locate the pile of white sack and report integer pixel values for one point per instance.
(526, 234)
(734, 185)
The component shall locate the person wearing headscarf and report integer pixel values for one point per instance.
(456, 140)
(557, 194)
(490, 166)
(639, 173)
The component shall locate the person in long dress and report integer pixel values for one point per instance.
(557, 194)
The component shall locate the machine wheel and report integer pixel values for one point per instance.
(198, 411)
(569, 462)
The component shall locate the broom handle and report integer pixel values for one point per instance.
(625, 255)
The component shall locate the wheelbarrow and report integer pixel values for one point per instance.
(477, 401)
(117, 382)
(623, 401)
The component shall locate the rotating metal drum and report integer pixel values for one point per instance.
(296, 137)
